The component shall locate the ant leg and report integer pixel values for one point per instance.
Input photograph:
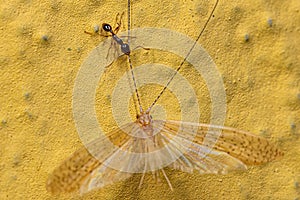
(109, 49)
(122, 20)
(89, 33)
(104, 34)
(141, 47)
(118, 22)
(112, 49)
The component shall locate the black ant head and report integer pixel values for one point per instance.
(107, 27)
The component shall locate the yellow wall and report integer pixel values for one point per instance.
(261, 76)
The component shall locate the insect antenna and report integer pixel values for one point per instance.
(129, 59)
(129, 18)
(135, 85)
(189, 52)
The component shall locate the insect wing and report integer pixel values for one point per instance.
(80, 169)
(231, 149)
(102, 176)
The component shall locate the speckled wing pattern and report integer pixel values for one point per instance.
(183, 141)
(233, 149)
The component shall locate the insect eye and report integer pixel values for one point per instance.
(106, 27)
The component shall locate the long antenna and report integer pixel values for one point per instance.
(128, 23)
(129, 59)
(134, 82)
(179, 67)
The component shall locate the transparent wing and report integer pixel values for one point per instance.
(176, 144)
(83, 171)
(141, 153)
(102, 176)
(233, 149)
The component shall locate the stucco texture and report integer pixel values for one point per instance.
(255, 45)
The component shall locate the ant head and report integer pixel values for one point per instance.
(106, 27)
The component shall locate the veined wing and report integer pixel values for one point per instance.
(233, 149)
(83, 170)
(102, 163)
(176, 144)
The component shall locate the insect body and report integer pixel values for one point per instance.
(124, 46)
(172, 144)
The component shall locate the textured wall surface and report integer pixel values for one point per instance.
(255, 45)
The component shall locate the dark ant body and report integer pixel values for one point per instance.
(124, 46)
